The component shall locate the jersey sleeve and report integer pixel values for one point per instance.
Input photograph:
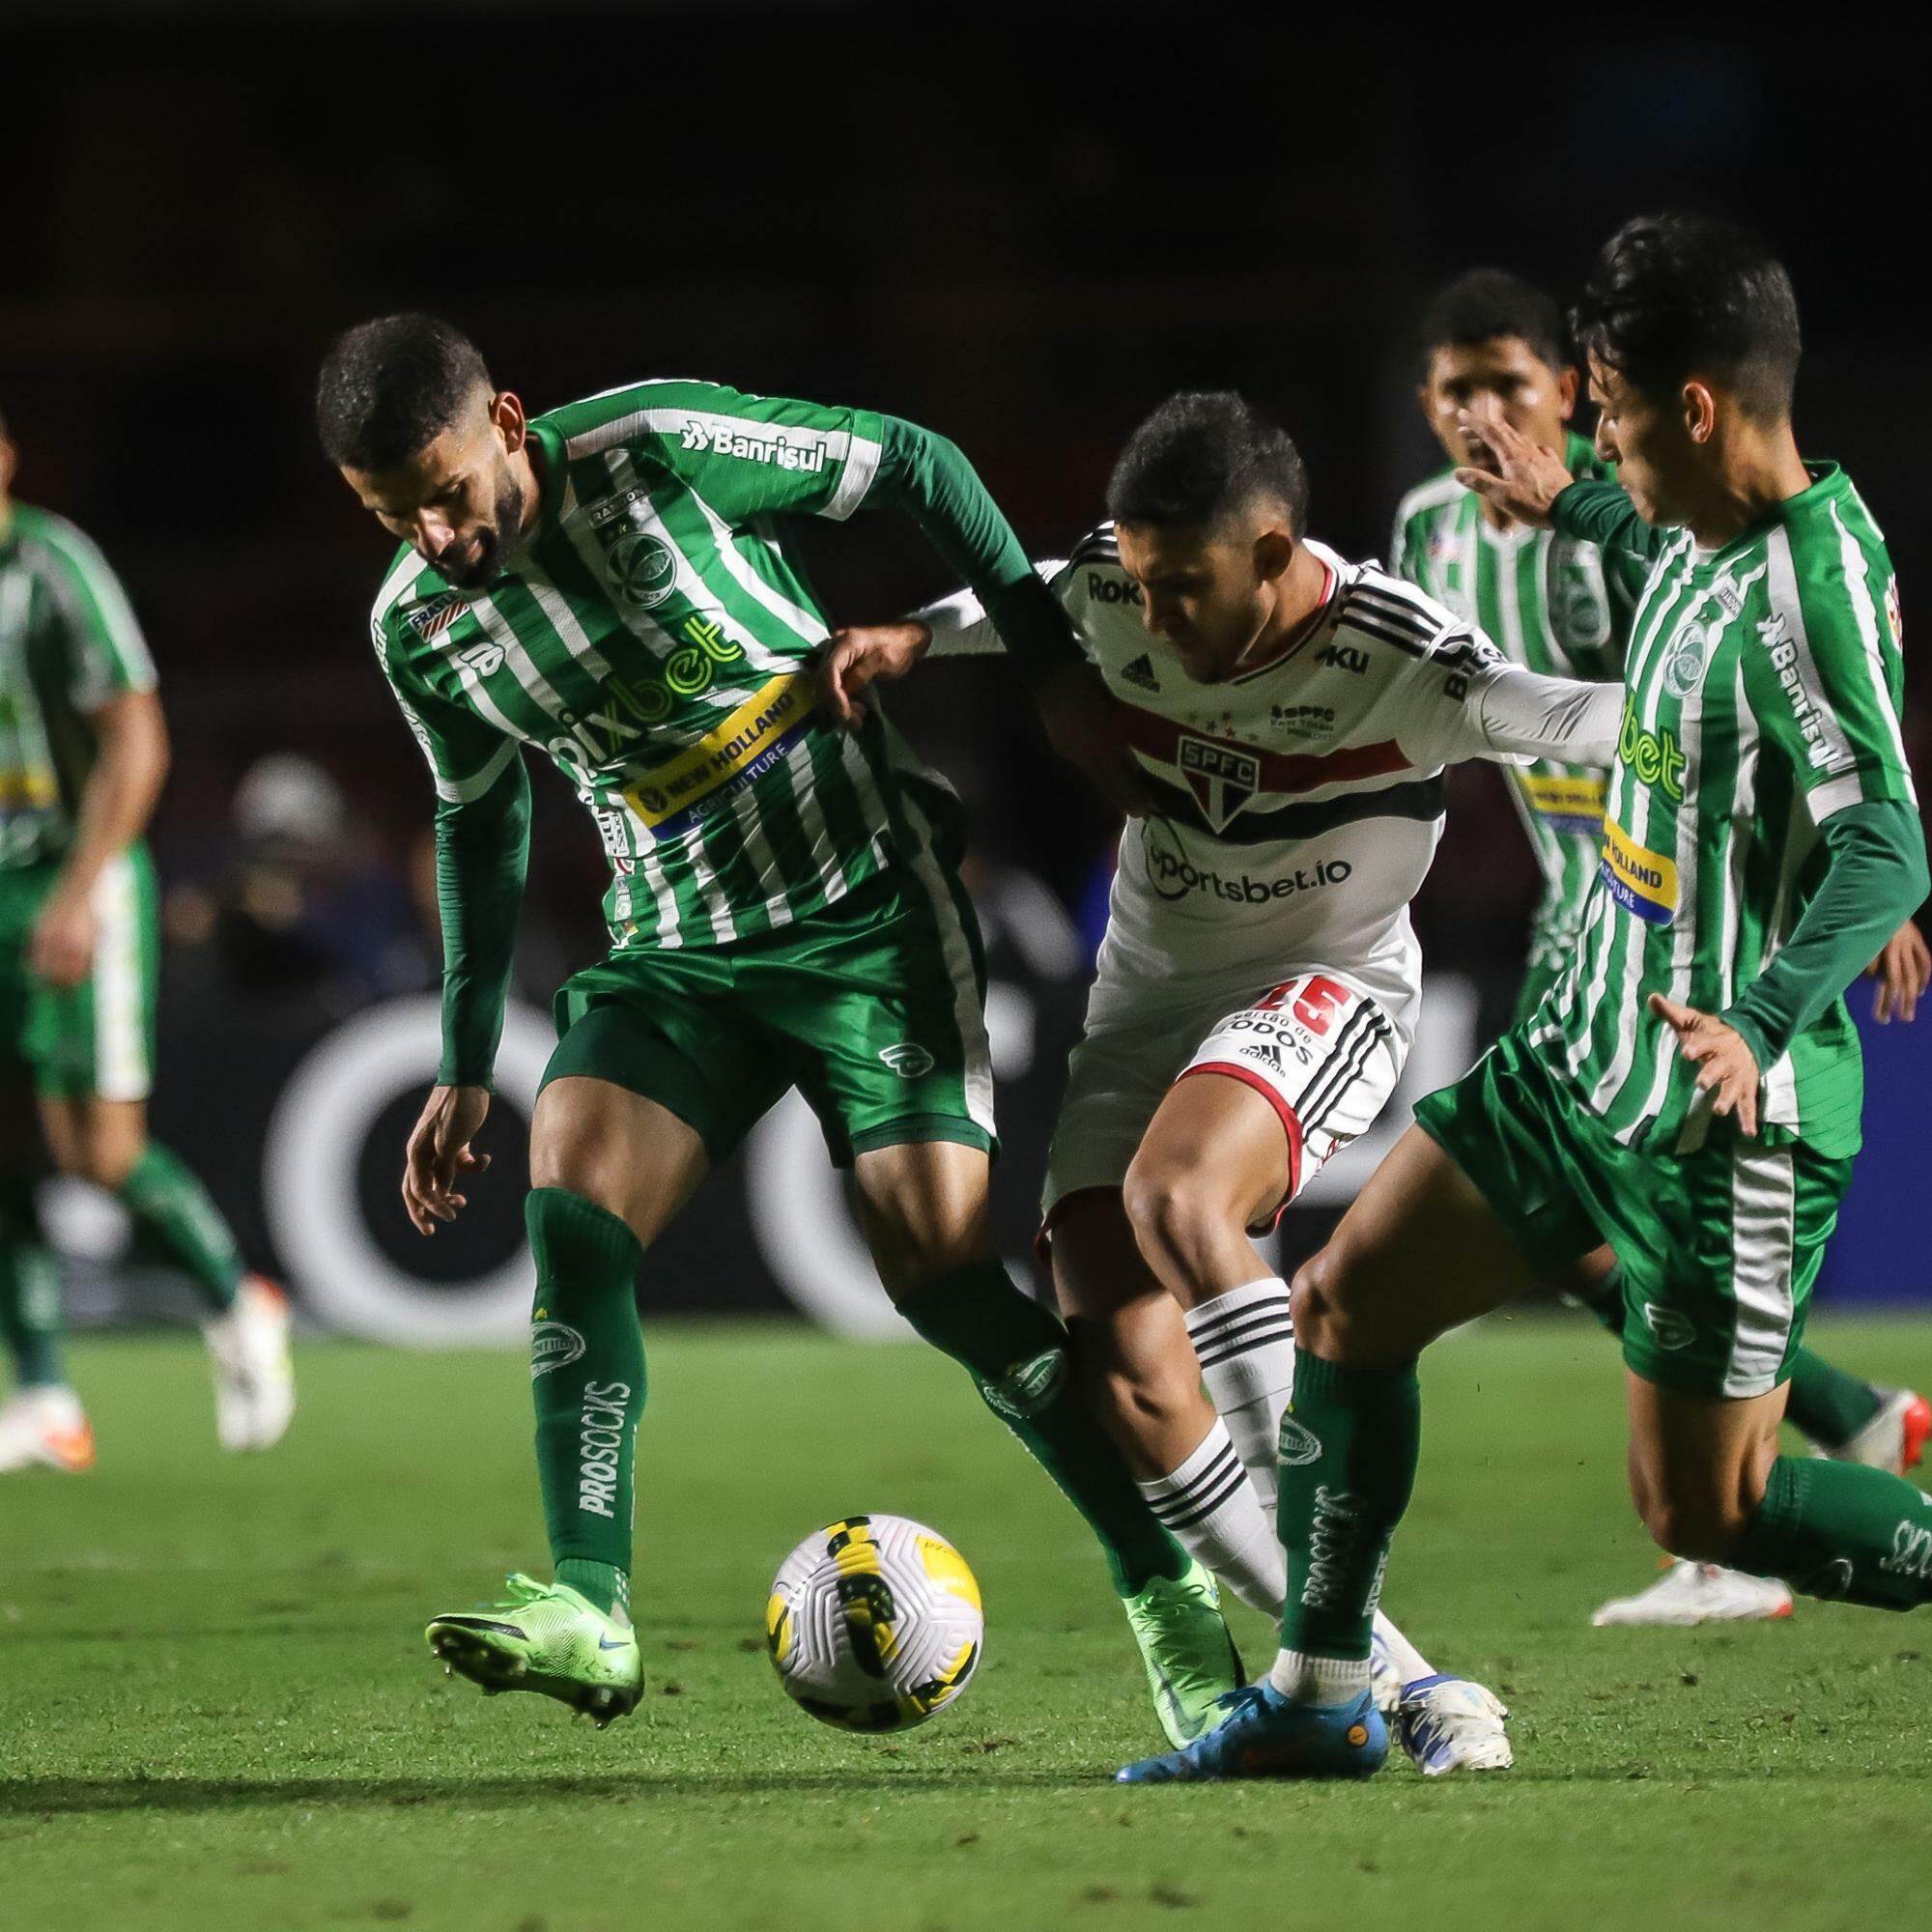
(106, 653)
(465, 755)
(1601, 513)
(1823, 677)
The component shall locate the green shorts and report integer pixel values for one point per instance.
(873, 1009)
(96, 1037)
(1718, 1248)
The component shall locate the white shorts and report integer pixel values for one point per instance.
(1320, 1052)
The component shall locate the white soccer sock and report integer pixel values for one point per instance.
(1245, 1342)
(1409, 1661)
(1210, 1506)
(1318, 1680)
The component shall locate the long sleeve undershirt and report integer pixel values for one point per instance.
(482, 851)
(1875, 879)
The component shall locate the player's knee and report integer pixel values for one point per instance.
(1174, 1216)
(1319, 1301)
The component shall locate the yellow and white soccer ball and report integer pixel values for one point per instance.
(875, 1624)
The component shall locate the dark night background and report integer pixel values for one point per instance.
(1022, 227)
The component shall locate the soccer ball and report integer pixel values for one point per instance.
(875, 1624)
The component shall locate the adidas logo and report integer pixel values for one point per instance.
(1141, 672)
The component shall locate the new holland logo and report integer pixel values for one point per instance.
(1299, 1444)
(1141, 672)
(553, 1345)
(909, 1061)
(1222, 777)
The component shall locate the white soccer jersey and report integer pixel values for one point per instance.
(1299, 803)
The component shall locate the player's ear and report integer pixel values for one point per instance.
(506, 412)
(1700, 411)
(1275, 551)
(1566, 392)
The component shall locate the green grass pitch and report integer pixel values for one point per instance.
(216, 1710)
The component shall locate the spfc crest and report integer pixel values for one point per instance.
(1222, 777)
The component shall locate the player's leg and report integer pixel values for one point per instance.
(924, 1210)
(651, 1082)
(1138, 1371)
(1720, 1256)
(42, 1420)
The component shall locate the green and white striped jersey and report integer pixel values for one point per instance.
(1762, 694)
(1552, 603)
(68, 642)
(650, 634)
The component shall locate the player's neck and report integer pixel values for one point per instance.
(1304, 588)
(528, 467)
(1756, 469)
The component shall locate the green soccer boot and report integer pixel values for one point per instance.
(1188, 1651)
(546, 1637)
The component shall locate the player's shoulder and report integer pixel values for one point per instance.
(1827, 571)
(651, 404)
(412, 594)
(1379, 605)
(1092, 580)
(55, 542)
(1433, 498)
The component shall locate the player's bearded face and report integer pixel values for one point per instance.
(458, 503)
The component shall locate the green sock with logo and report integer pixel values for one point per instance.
(30, 1302)
(1015, 1350)
(1842, 1531)
(1349, 1443)
(177, 1212)
(587, 1381)
(1823, 1404)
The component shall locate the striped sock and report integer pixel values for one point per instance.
(1245, 1343)
(1211, 1507)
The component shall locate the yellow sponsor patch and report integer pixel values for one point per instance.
(745, 745)
(36, 786)
(1570, 804)
(1640, 881)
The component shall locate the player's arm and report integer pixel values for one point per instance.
(1823, 686)
(482, 852)
(1466, 700)
(1535, 486)
(858, 655)
(111, 682)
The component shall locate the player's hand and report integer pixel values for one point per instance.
(1087, 728)
(858, 655)
(1903, 970)
(61, 949)
(1527, 478)
(438, 1154)
(1725, 1064)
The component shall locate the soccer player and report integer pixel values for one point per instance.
(83, 750)
(1259, 983)
(1691, 1088)
(1493, 346)
(607, 583)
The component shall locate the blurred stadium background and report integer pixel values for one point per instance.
(1021, 227)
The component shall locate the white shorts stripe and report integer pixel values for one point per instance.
(1763, 1212)
(121, 1070)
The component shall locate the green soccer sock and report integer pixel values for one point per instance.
(173, 1210)
(1349, 1443)
(30, 1306)
(1015, 1350)
(1825, 1404)
(1842, 1531)
(587, 1381)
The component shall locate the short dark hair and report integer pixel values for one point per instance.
(1201, 457)
(390, 387)
(1486, 303)
(1673, 294)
